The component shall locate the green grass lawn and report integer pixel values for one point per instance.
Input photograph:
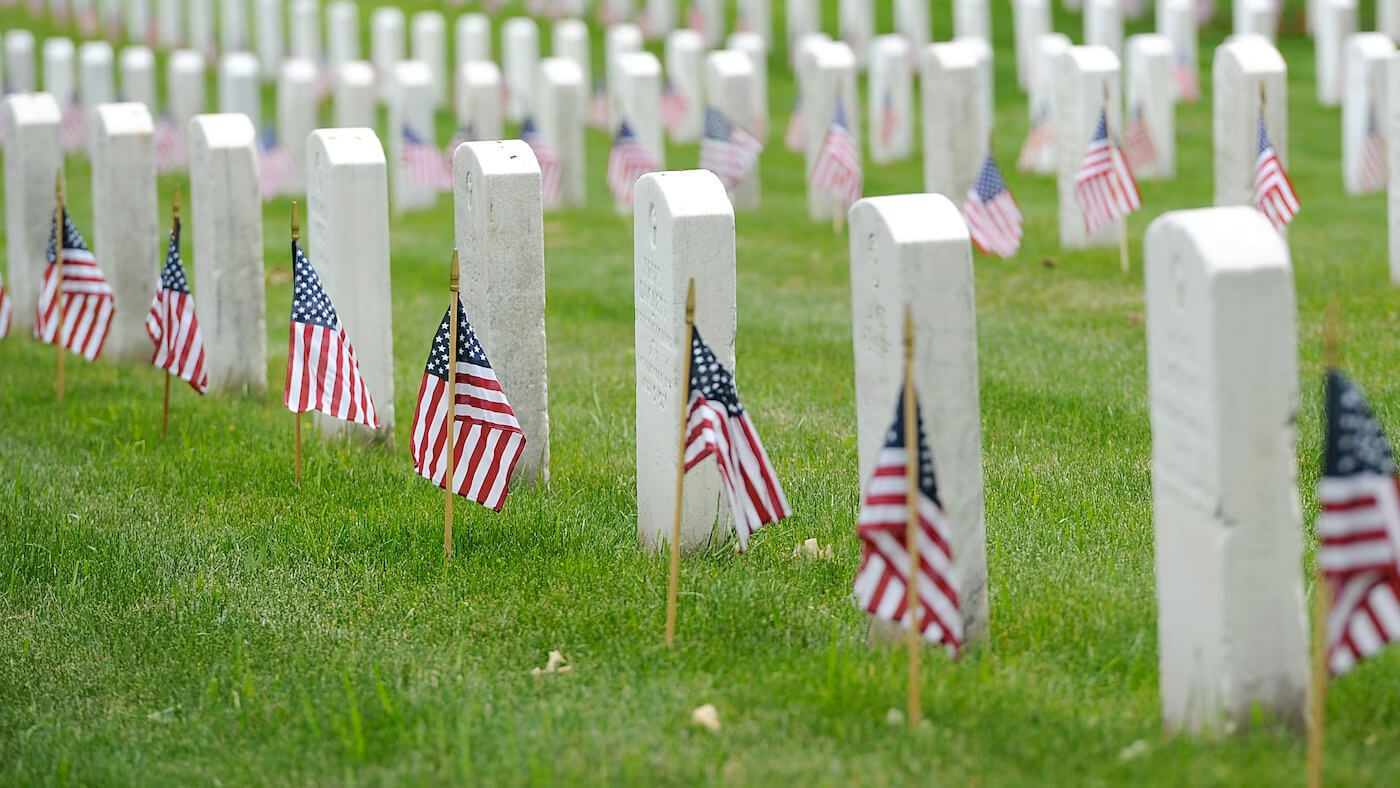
(177, 611)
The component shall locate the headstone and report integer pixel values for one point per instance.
(804, 17)
(891, 101)
(500, 235)
(479, 105)
(355, 95)
(1336, 22)
(833, 79)
(658, 18)
(1179, 26)
(986, 78)
(683, 230)
(756, 17)
(1392, 147)
(972, 19)
(296, 114)
(1222, 360)
(233, 25)
(730, 85)
(571, 42)
(347, 240)
(473, 33)
(33, 156)
(342, 32)
(1256, 17)
(1048, 50)
(139, 26)
(271, 37)
(856, 26)
(138, 76)
(430, 46)
(618, 40)
(563, 93)
(58, 71)
(125, 234)
(170, 19)
(915, 249)
(227, 225)
(184, 86)
(685, 53)
(1151, 106)
(201, 31)
(752, 46)
(1084, 77)
(1032, 20)
(955, 131)
(1103, 25)
(710, 17)
(1364, 106)
(639, 93)
(616, 11)
(96, 83)
(238, 86)
(1388, 18)
(911, 21)
(520, 57)
(305, 40)
(1243, 68)
(19, 61)
(411, 108)
(386, 46)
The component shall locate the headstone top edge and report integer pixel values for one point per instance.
(915, 218)
(685, 194)
(498, 157)
(125, 117)
(1230, 239)
(27, 108)
(349, 146)
(1094, 57)
(224, 129)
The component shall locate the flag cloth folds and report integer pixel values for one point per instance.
(1038, 151)
(276, 170)
(72, 128)
(837, 170)
(1273, 191)
(172, 324)
(795, 138)
(673, 107)
(551, 175)
(628, 161)
(1184, 75)
(171, 151)
(86, 298)
(993, 219)
(1138, 147)
(726, 149)
(1373, 169)
(322, 373)
(486, 437)
(423, 162)
(889, 119)
(1359, 529)
(1104, 187)
(718, 426)
(881, 580)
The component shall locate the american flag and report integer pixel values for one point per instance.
(881, 581)
(607, 14)
(171, 151)
(1104, 187)
(673, 107)
(716, 425)
(628, 161)
(598, 110)
(7, 309)
(889, 119)
(276, 170)
(86, 298)
(1373, 168)
(695, 17)
(1273, 192)
(726, 149)
(172, 324)
(72, 128)
(836, 170)
(423, 162)
(464, 134)
(1359, 529)
(1039, 147)
(486, 437)
(87, 21)
(551, 177)
(796, 136)
(992, 217)
(1184, 74)
(1138, 147)
(322, 373)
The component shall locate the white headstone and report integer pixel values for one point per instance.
(986, 79)
(520, 57)
(752, 45)
(613, 12)
(296, 114)
(707, 17)
(184, 86)
(1223, 374)
(1084, 77)
(1032, 20)
(125, 234)
(271, 37)
(347, 240)
(226, 218)
(238, 86)
(804, 17)
(756, 17)
(1049, 48)
(1150, 97)
(355, 95)
(1179, 26)
(1103, 25)
(58, 71)
(563, 93)
(972, 19)
(658, 18)
(1392, 147)
(856, 26)
(233, 25)
(618, 40)
(473, 34)
(1256, 17)
(342, 32)
(891, 101)
(911, 21)
(571, 42)
(170, 32)
(1336, 22)
(683, 229)
(411, 108)
(639, 104)
(386, 46)
(1388, 18)
(201, 30)
(1243, 68)
(500, 236)
(305, 29)
(685, 54)
(19, 61)
(33, 157)
(955, 131)
(1363, 105)
(138, 70)
(833, 80)
(430, 46)
(96, 83)
(730, 85)
(478, 101)
(914, 249)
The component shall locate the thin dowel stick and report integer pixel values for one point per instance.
(674, 586)
(165, 408)
(911, 532)
(453, 283)
(296, 236)
(1123, 243)
(1322, 598)
(59, 237)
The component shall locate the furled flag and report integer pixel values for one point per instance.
(276, 170)
(673, 107)
(993, 220)
(7, 309)
(1184, 74)
(1373, 169)
(796, 136)
(551, 176)
(629, 161)
(1359, 528)
(837, 170)
(487, 439)
(889, 119)
(726, 149)
(718, 426)
(1273, 191)
(1038, 151)
(423, 162)
(72, 128)
(1104, 187)
(322, 373)
(171, 151)
(598, 110)
(172, 324)
(1138, 147)
(881, 581)
(86, 298)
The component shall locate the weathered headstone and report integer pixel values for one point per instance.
(125, 233)
(520, 57)
(1336, 22)
(1364, 108)
(355, 95)
(138, 76)
(347, 240)
(856, 26)
(19, 61)
(170, 17)
(1245, 67)
(429, 39)
(563, 92)
(473, 34)
(201, 29)
(954, 129)
(305, 39)
(752, 45)
(683, 229)
(1151, 107)
(832, 80)
(1256, 17)
(478, 101)
(33, 156)
(296, 115)
(618, 40)
(1085, 76)
(756, 17)
(1048, 50)
(685, 54)
(914, 249)
(891, 100)
(238, 86)
(342, 32)
(972, 19)
(227, 227)
(272, 39)
(386, 48)
(804, 17)
(410, 109)
(1179, 26)
(1103, 25)
(1222, 362)
(730, 85)
(500, 234)
(184, 86)
(58, 71)
(1032, 20)
(233, 25)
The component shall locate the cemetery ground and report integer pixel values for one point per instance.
(177, 611)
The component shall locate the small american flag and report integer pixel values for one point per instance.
(726, 149)
(881, 581)
(87, 21)
(629, 161)
(86, 297)
(276, 170)
(718, 426)
(486, 437)
(889, 119)
(1184, 74)
(72, 128)
(322, 373)
(796, 136)
(837, 170)
(598, 111)
(464, 134)
(1104, 187)
(1273, 192)
(673, 107)
(172, 324)
(551, 176)
(993, 220)
(171, 151)
(1359, 528)
(7, 309)
(1138, 147)
(423, 162)
(695, 17)
(1039, 147)
(1373, 169)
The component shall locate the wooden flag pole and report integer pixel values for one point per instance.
(165, 408)
(1322, 595)
(58, 268)
(453, 284)
(911, 533)
(1123, 261)
(673, 587)
(296, 417)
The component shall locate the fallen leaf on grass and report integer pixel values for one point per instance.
(706, 717)
(811, 549)
(556, 664)
(1135, 750)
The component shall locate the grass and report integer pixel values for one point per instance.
(177, 611)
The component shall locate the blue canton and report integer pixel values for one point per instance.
(710, 379)
(1356, 446)
(717, 126)
(310, 304)
(468, 347)
(172, 277)
(894, 439)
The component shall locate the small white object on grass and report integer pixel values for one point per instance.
(812, 549)
(706, 717)
(556, 664)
